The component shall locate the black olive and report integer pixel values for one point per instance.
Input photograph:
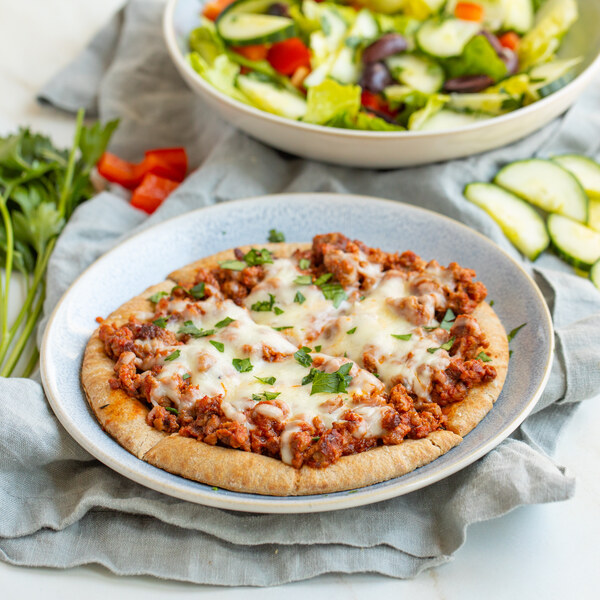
(468, 84)
(278, 9)
(386, 45)
(375, 77)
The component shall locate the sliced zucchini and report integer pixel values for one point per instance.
(585, 169)
(550, 77)
(492, 104)
(519, 221)
(577, 244)
(269, 96)
(595, 274)
(420, 73)
(447, 37)
(449, 119)
(244, 23)
(546, 185)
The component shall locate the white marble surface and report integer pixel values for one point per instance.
(548, 551)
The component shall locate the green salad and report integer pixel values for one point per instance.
(385, 65)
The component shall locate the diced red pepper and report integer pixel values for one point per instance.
(164, 162)
(151, 193)
(510, 40)
(377, 103)
(213, 9)
(256, 52)
(469, 11)
(287, 56)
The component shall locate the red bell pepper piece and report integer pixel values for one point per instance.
(255, 52)
(510, 40)
(213, 9)
(119, 171)
(469, 11)
(287, 56)
(376, 103)
(151, 193)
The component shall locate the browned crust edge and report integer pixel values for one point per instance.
(124, 418)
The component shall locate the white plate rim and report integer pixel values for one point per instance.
(275, 504)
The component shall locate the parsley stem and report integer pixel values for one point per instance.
(66, 189)
(7, 262)
(31, 363)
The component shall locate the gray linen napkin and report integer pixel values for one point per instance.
(60, 507)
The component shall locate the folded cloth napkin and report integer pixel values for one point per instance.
(60, 507)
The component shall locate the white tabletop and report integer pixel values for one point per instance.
(548, 551)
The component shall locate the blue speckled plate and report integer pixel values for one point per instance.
(115, 278)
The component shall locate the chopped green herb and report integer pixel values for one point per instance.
(277, 310)
(352, 491)
(258, 257)
(243, 365)
(265, 396)
(156, 297)
(283, 327)
(492, 303)
(351, 331)
(329, 383)
(215, 488)
(264, 305)
(334, 292)
(303, 280)
(173, 355)
(276, 236)
(299, 298)
(361, 298)
(447, 346)
(224, 322)
(303, 356)
(172, 410)
(218, 345)
(178, 287)
(513, 333)
(161, 322)
(190, 329)
(484, 357)
(510, 353)
(266, 380)
(233, 265)
(186, 376)
(198, 290)
(402, 336)
(323, 279)
(316, 438)
(318, 348)
(304, 263)
(448, 320)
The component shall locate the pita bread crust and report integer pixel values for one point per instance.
(124, 418)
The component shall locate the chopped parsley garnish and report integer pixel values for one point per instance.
(513, 333)
(173, 355)
(484, 357)
(198, 290)
(277, 310)
(318, 348)
(233, 265)
(242, 365)
(335, 292)
(402, 336)
(161, 322)
(172, 410)
(299, 298)
(276, 236)
(186, 376)
(156, 297)
(492, 303)
(448, 320)
(303, 280)
(265, 396)
(224, 322)
(178, 287)
(218, 345)
(304, 263)
(316, 438)
(215, 488)
(303, 356)
(258, 257)
(283, 327)
(323, 279)
(361, 298)
(190, 329)
(329, 383)
(445, 346)
(351, 331)
(266, 380)
(264, 305)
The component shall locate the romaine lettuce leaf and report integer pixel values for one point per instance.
(363, 121)
(205, 41)
(221, 74)
(329, 99)
(477, 58)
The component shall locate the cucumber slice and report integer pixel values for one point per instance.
(447, 37)
(552, 76)
(519, 221)
(493, 104)
(397, 93)
(595, 274)
(546, 185)
(594, 216)
(268, 96)
(450, 119)
(577, 244)
(585, 169)
(420, 73)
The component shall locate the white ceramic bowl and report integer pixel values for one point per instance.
(375, 149)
